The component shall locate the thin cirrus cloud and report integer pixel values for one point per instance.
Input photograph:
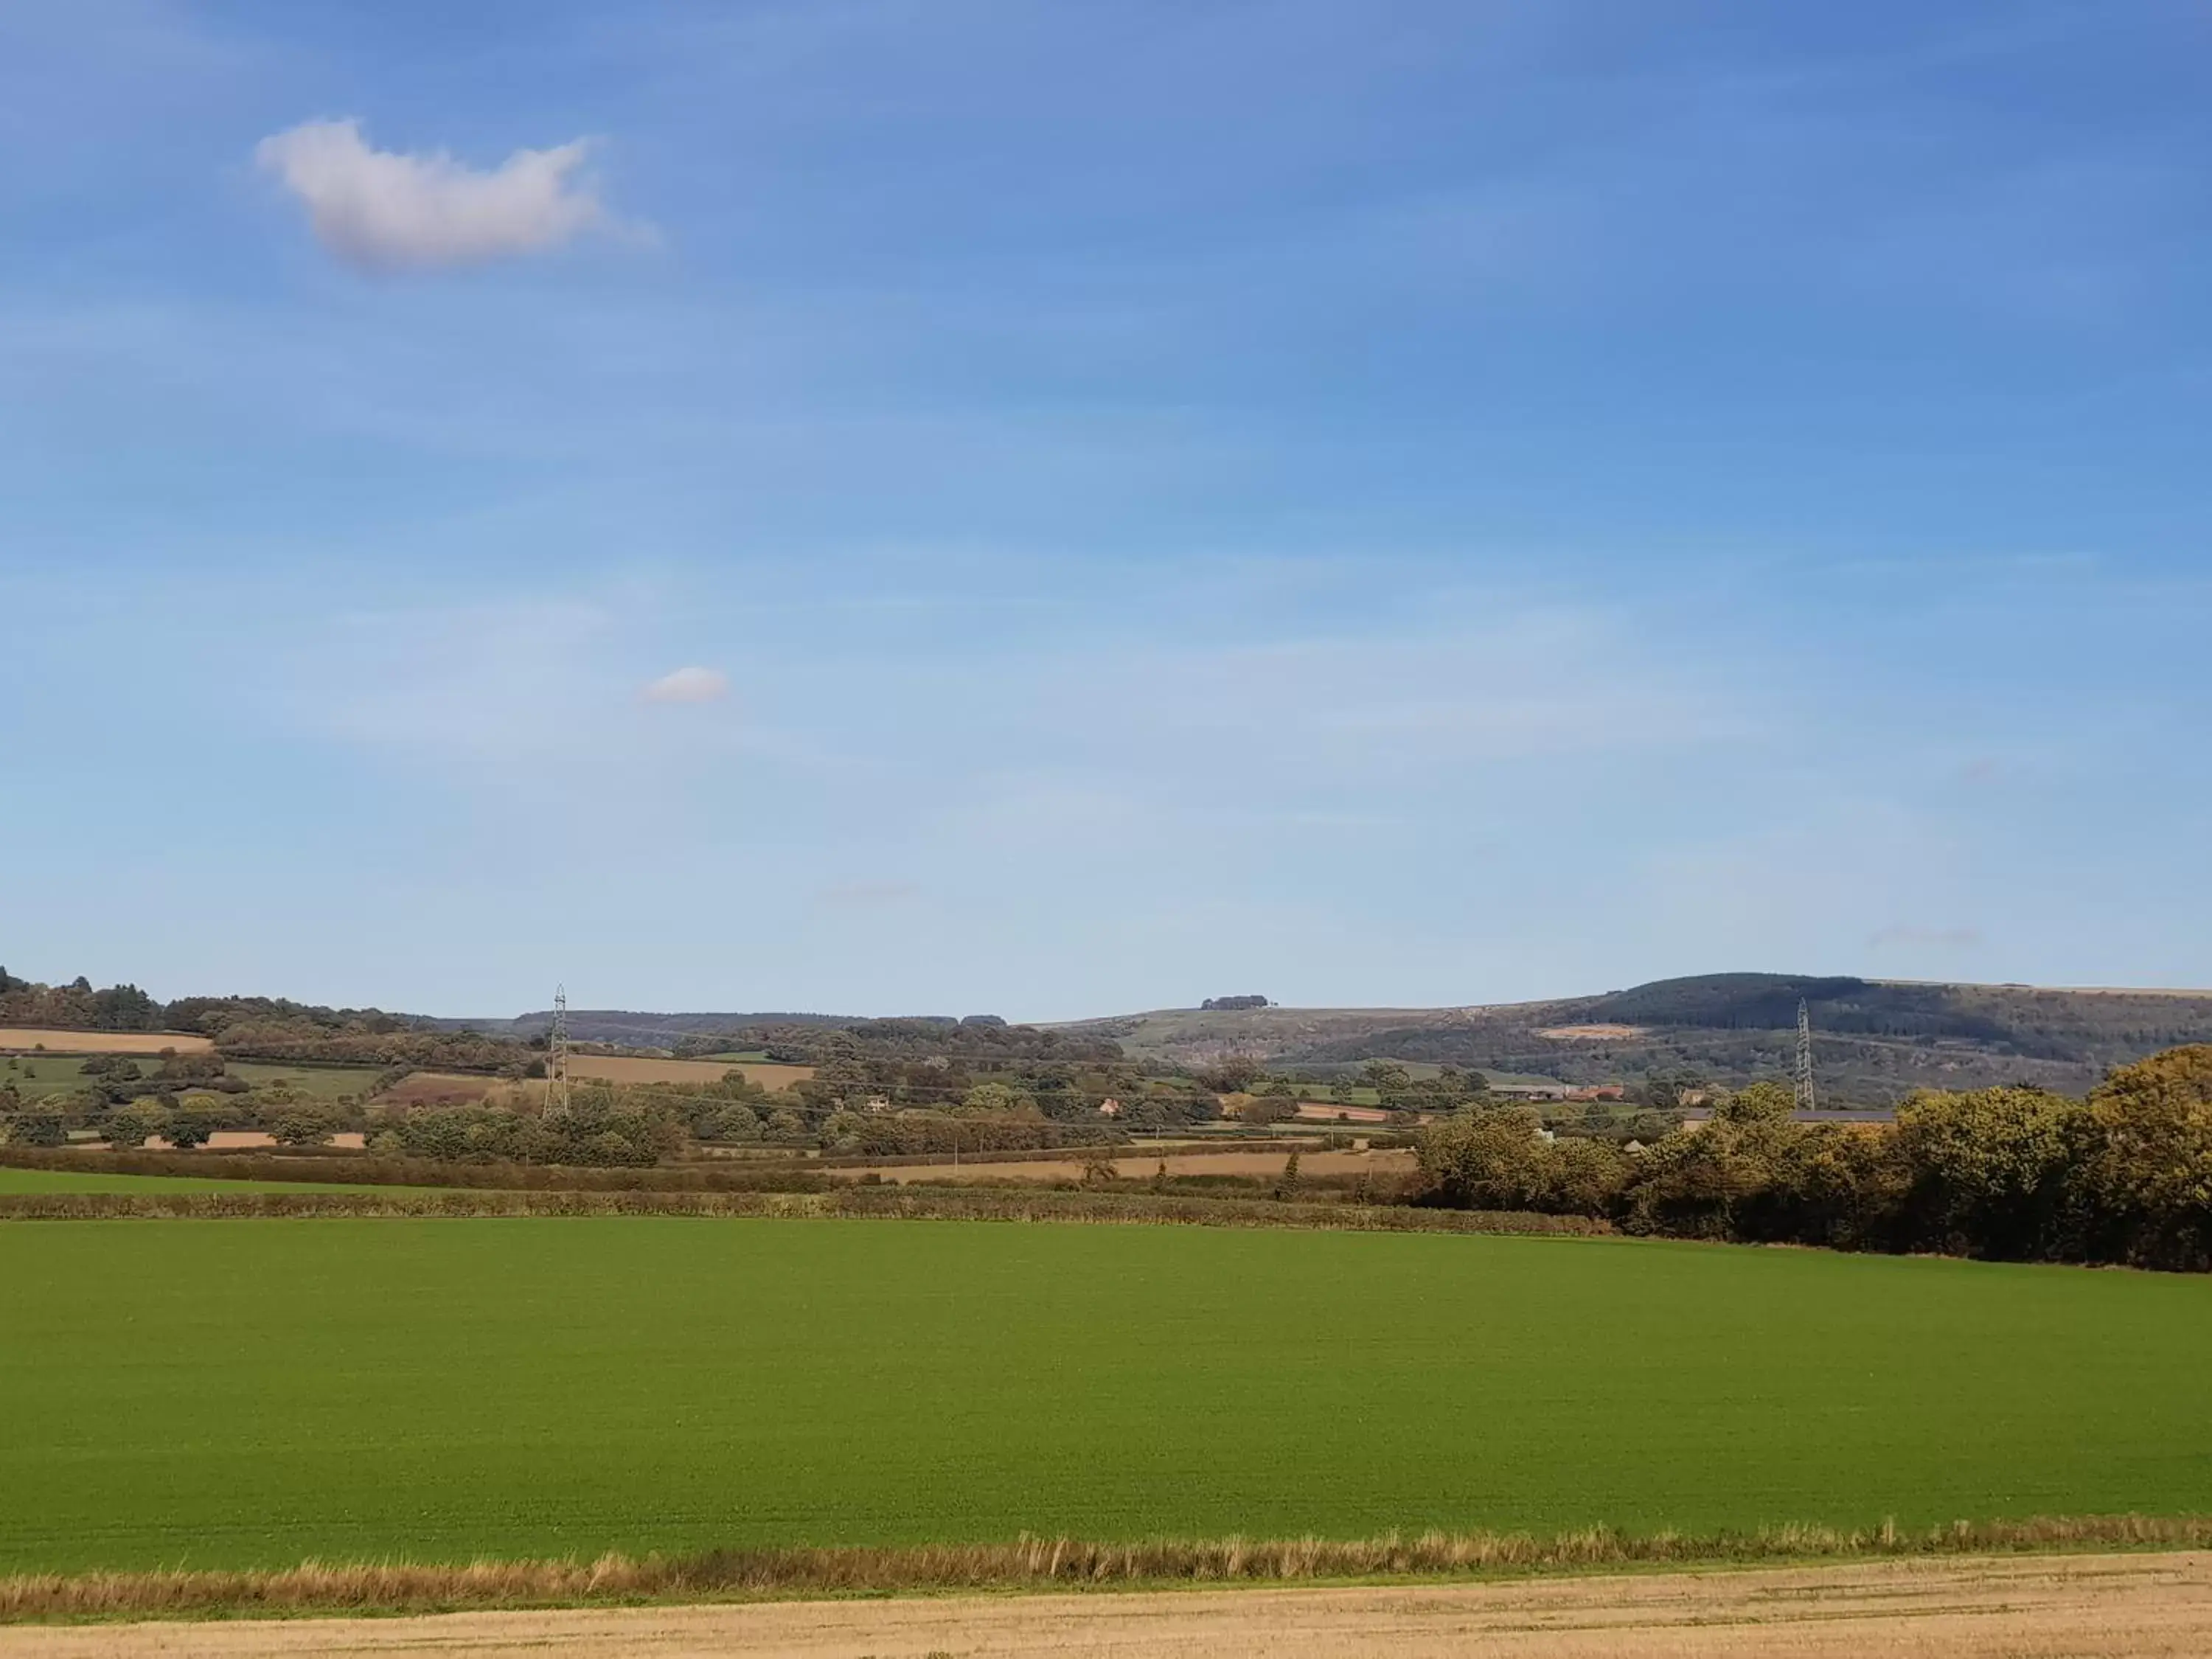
(689, 685)
(388, 210)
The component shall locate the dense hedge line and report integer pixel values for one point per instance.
(362, 1170)
(886, 1202)
(1122, 1147)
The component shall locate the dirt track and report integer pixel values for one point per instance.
(2122, 1606)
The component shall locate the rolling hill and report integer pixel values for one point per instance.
(1873, 1040)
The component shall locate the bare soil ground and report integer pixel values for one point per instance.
(255, 1139)
(1593, 1033)
(614, 1068)
(27, 1037)
(439, 1089)
(1252, 1165)
(2108, 1606)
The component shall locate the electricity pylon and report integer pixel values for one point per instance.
(1805, 1098)
(556, 1056)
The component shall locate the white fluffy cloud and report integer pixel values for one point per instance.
(384, 210)
(689, 685)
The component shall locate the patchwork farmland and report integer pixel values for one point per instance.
(714, 1340)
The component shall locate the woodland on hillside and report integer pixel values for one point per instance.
(1874, 1042)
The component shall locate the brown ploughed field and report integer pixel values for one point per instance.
(2051, 1607)
(439, 1089)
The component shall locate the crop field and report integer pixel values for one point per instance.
(251, 1392)
(100, 1043)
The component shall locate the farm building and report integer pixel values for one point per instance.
(1545, 1089)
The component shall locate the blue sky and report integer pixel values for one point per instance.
(1365, 502)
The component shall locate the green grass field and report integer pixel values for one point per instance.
(254, 1392)
(323, 1083)
(36, 1076)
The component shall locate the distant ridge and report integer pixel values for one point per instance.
(1874, 1039)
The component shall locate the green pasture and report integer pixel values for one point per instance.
(251, 1393)
(36, 1076)
(316, 1083)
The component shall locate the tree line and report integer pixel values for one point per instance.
(2123, 1176)
(76, 1006)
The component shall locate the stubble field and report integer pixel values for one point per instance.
(27, 1037)
(253, 1393)
(2090, 1606)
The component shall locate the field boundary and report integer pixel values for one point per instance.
(1030, 1564)
(338, 1165)
(891, 1203)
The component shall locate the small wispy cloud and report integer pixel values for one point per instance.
(1948, 939)
(689, 685)
(389, 211)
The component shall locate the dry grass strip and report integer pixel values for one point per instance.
(1028, 1564)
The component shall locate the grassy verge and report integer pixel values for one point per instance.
(931, 1203)
(1028, 1564)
